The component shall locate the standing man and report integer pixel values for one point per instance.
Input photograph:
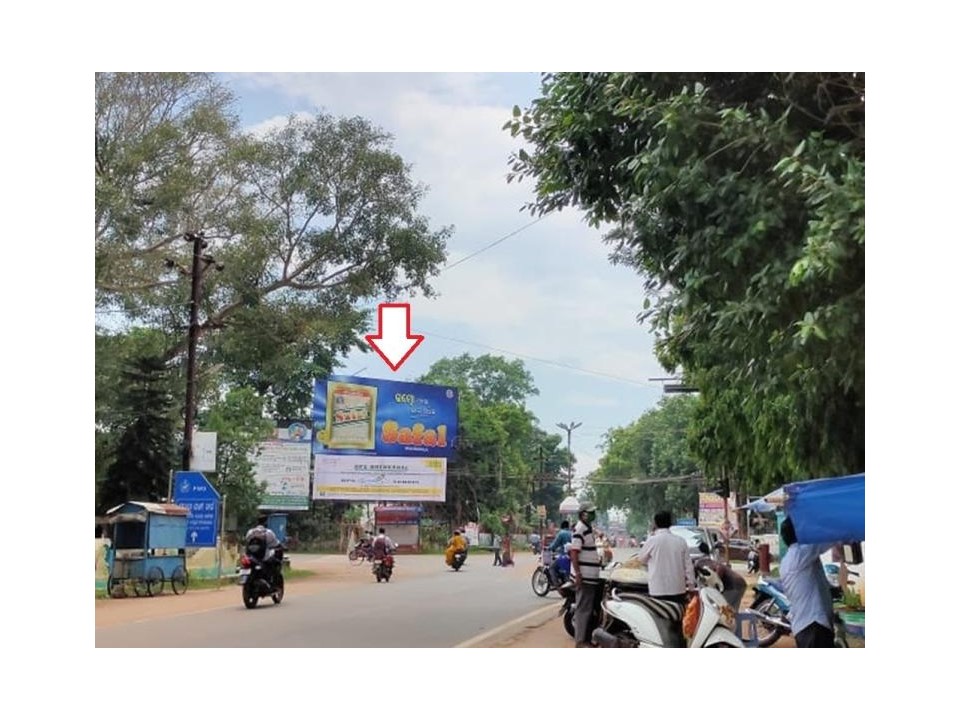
(585, 564)
(806, 587)
(670, 566)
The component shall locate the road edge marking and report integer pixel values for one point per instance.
(472, 642)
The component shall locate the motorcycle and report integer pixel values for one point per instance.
(622, 583)
(634, 620)
(770, 608)
(753, 560)
(258, 578)
(363, 550)
(459, 558)
(383, 568)
(546, 578)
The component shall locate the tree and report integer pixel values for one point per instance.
(238, 419)
(498, 446)
(654, 446)
(146, 447)
(308, 222)
(740, 199)
(493, 379)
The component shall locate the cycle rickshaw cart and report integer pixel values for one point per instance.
(148, 548)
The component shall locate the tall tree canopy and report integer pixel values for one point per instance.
(654, 446)
(303, 224)
(504, 462)
(739, 197)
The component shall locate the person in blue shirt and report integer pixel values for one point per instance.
(560, 567)
(806, 587)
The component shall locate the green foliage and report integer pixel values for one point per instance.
(146, 448)
(493, 379)
(739, 198)
(500, 449)
(305, 223)
(655, 445)
(240, 424)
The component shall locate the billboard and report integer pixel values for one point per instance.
(371, 479)
(283, 465)
(388, 419)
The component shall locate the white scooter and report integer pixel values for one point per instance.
(635, 620)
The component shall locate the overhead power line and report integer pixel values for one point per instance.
(540, 360)
(495, 242)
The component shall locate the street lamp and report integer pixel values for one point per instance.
(196, 274)
(570, 500)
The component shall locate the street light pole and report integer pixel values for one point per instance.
(199, 265)
(190, 405)
(569, 428)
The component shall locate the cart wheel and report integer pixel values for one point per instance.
(154, 581)
(178, 581)
(115, 587)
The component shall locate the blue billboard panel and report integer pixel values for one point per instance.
(367, 416)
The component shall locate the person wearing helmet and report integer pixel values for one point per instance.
(585, 566)
(271, 544)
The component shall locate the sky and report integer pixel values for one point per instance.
(547, 294)
(49, 364)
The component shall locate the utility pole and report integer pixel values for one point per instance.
(569, 428)
(199, 265)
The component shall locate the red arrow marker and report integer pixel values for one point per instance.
(394, 343)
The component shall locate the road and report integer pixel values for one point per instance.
(425, 605)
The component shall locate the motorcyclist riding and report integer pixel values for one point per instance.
(456, 544)
(382, 545)
(558, 548)
(271, 559)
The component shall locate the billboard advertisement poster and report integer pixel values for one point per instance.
(385, 418)
(283, 466)
(373, 479)
(711, 510)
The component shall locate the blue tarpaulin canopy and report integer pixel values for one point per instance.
(828, 510)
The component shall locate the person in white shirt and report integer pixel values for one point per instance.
(670, 567)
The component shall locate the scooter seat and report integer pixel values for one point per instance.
(670, 611)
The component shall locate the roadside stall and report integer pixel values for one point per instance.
(831, 510)
(402, 523)
(148, 548)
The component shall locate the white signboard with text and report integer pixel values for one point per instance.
(285, 468)
(371, 479)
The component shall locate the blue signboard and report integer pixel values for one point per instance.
(366, 416)
(193, 491)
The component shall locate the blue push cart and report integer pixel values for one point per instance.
(148, 548)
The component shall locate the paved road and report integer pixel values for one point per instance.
(424, 605)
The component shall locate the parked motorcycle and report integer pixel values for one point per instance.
(383, 568)
(607, 585)
(771, 607)
(753, 560)
(258, 578)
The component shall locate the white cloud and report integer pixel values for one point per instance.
(548, 292)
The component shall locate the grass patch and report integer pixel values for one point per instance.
(213, 583)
